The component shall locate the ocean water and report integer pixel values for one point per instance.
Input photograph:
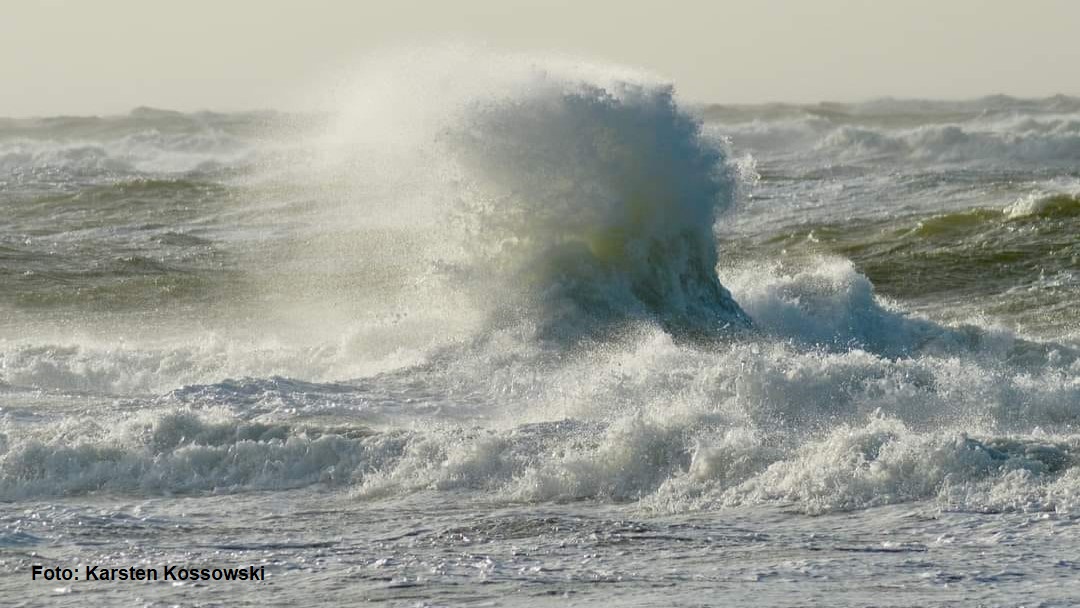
(532, 332)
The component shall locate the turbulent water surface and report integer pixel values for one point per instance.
(512, 332)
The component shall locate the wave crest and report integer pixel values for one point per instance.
(597, 200)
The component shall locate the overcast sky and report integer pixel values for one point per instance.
(107, 56)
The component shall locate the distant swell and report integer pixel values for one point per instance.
(973, 133)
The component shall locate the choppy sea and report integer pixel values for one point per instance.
(506, 332)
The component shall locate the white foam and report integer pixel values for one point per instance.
(178, 452)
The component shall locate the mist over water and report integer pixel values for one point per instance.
(520, 282)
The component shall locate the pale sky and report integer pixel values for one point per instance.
(108, 56)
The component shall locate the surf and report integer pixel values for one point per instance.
(514, 279)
